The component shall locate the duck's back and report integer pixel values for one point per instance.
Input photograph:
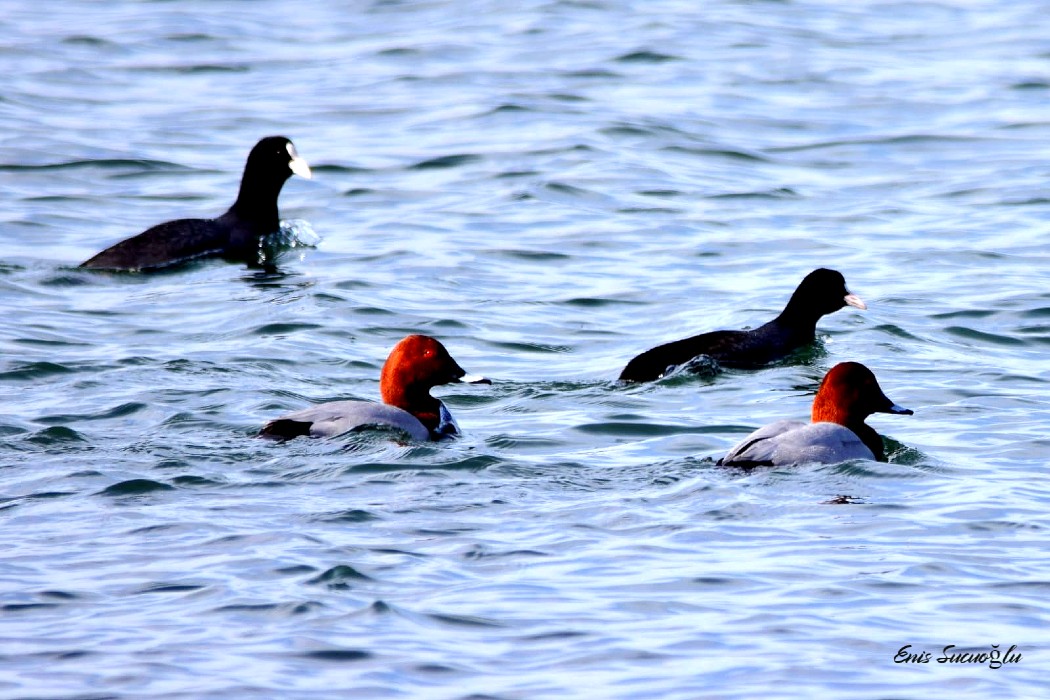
(789, 442)
(338, 417)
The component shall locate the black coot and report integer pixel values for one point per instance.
(233, 235)
(821, 292)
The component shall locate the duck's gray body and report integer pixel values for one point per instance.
(796, 442)
(337, 417)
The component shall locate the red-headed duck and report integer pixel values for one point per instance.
(821, 292)
(848, 394)
(235, 234)
(415, 365)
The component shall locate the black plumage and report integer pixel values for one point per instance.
(822, 292)
(234, 235)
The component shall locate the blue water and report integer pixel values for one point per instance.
(549, 188)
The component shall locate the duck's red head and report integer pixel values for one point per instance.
(416, 365)
(850, 393)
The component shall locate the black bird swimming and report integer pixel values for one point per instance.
(822, 292)
(235, 234)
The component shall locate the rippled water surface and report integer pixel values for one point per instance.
(549, 188)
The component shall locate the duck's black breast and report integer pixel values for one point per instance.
(170, 243)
